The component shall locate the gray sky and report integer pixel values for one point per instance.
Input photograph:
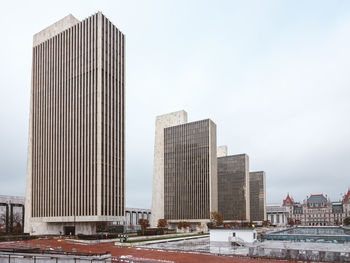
(273, 75)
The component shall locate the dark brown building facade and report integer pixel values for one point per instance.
(76, 156)
(190, 171)
(257, 196)
(233, 187)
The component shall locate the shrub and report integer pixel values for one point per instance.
(183, 224)
(217, 218)
(162, 223)
(151, 232)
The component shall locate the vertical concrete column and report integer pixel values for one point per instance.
(213, 167)
(11, 218)
(99, 114)
(7, 221)
(23, 216)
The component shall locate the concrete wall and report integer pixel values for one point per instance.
(213, 167)
(58, 27)
(6, 257)
(222, 151)
(300, 254)
(228, 235)
(39, 228)
(162, 122)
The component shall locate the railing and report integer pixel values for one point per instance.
(40, 256)
(237, 240)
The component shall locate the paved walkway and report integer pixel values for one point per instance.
(128, 254)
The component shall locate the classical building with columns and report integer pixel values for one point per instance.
(318, 210)
(277, 215)
(133, 215)
(9, 207)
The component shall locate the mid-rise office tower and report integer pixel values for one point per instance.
(233, 187)
(76, 164)
(188, 171)
(162, 122)
(257, 188)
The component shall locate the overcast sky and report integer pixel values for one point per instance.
(273, 75)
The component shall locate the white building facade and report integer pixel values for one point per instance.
(277, 215)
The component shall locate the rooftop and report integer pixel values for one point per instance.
(317, 199)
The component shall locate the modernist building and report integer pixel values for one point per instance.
(187, 175)
(162, 122)
(233, 187)
(76, 149)
(318, 210)
(257, 189)
(11, 213)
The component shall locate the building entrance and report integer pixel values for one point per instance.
(69, 230)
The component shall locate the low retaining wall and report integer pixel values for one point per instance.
(141, 238)
(6, 257)
(299, 254)
(142, 243)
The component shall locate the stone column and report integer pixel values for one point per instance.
(7, 221)
(11, 218)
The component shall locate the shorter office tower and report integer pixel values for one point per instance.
(185, 170)
(190, 172)
(318, 210)
(233, 187)
(257, 188)
(162, 122)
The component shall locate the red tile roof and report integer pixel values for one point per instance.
(288, 198)
(347, 197)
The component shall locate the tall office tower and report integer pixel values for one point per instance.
(233, 187)
(162, 122)
(190, 172)
(76, 164)
(257, 188)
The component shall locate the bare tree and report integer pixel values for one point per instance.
(16, 221)
(216, 217)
